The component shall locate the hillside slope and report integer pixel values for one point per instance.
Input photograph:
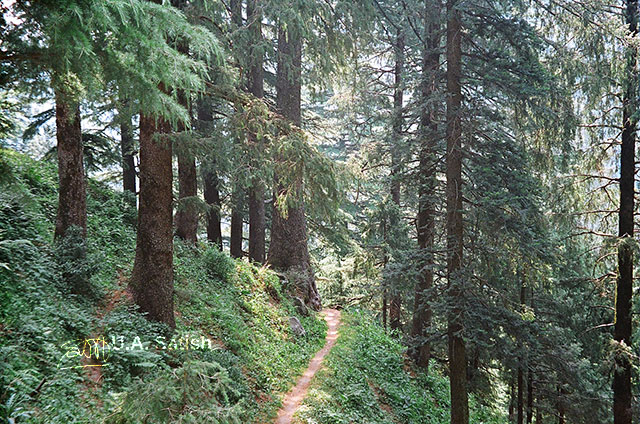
(368, 379)
(229, 361)
(73, 348)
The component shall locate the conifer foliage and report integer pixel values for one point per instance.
(459, 176)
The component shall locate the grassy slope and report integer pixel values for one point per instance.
(367, 380)
(240, 307)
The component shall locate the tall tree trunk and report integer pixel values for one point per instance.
(457, 353)
(72, 192)
(622, 388)
(398, 98)
(520, 396)
(152, 278)
(530, 375)
(210, 181)
(235, 241)
(126, 149)
(187, 215)
(512, 400)
(385, 306)
(256, 87)
(521, 363)
(256, 223)
(385, 282)
(560, 405)
(212, 197)
(288, 249)
(530, 396)
(426, 208)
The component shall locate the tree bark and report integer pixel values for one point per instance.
(520, 396)
(71, 177)
(512, 398)
(530, 375)
(521, 361)
(72, 192)
(235, 241)
(385, 282)
(530, 396)
(187, 215)
(212, 197)
(126, 149)
(288, 249)
(256, 87)
(210, 182)
(622, 387)
(457, 352)
(152, 278)
(426, 208)
(384, 306)
(395, 304)
(256, 223)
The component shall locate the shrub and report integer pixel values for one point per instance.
(218, 264)
(196, 392)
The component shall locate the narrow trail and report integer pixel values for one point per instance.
(294, 397)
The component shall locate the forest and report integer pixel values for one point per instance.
(319, 211)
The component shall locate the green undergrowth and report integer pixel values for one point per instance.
(366, 379)
(228, 361)
(245, 309)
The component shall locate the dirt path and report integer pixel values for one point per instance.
(293, 399)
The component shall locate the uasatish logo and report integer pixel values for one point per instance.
(96, 352)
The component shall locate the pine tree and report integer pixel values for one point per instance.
(427, 168)
(186, 218)
(622, 389)
(212, 197)
(256, 88)
(457, 351)
(237, 196)
(152, 277)
(126, 151)
(72, 191)
(288, 248)
(397, 124)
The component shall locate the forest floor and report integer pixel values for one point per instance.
(296, 395)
